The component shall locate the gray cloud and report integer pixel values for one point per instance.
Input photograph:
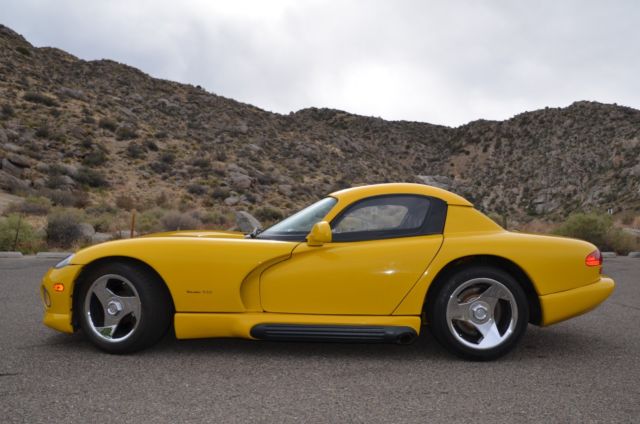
(440, 62)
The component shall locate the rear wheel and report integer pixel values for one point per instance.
(479, 313)
(123, 308)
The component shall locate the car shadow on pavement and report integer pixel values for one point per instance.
(538, 343)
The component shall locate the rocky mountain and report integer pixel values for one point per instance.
(82, 132)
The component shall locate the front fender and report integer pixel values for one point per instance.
(202, 274)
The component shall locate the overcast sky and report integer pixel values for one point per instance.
(446, 62)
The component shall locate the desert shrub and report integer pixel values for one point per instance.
(162, 199)
(149, 220)
(108, 124)
(126, 132)
(250, 197)
(220, 193)
(151, 145)
(627, 217)
(56, 181)
(7, 110)
(621, 242)
(268, 214)
(63, 228)
(16, 234)
(43, 99)
(168, 157)
(43, 130)
(174, 220)
(100, 208)
(135, 151)
(202, 163)
(597, 229)
(23, 51)
(591, 227)
(91, 177)
(159, 167)
(197, 189)
(32, 205)
(125, 202)
(217, 218)
(96, 157)
(104, 222)
(77, 199)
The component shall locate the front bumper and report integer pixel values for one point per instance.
(58, 310)
(560, 306)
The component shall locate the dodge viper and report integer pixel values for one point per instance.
(367, 264)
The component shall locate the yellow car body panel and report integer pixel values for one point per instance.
(553, 264)
(58, 314)
(202, 274)
(567, 304)
(221, 283)
(349, 278)
(197, 326)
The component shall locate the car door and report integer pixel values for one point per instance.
(380, 247)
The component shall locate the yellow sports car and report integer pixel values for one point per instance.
(365, 264)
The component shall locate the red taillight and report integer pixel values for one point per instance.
(593, 259)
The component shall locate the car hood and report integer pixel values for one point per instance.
(198, 234)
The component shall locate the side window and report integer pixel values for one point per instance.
(382, 217)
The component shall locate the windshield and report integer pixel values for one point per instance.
(298, 225)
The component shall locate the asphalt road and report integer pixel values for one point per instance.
(583, 370)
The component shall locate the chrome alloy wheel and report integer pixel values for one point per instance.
(482, 313)
(112, 308)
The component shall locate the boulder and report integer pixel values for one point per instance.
(10, 168)
(246, 222)
(70, 170)
(39, 183)
(232, 167)
(42, 167)
(440, 181)
(11, 147)
(66, 92)
(19, 160)
(101, 237)
(12, 184)
(232, 200)
(285, 189)
(86, 230)
(239, 181)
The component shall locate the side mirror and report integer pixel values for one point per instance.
(320, 234)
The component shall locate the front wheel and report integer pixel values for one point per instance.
(479, 313)
(123, 308)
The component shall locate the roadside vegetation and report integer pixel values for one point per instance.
(48, 223)
(37, 223)
(601, 230)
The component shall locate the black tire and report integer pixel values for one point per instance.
(460, 295)
(141, 323)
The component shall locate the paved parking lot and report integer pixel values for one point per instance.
(584, 370)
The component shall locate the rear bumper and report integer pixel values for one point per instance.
(560, 306)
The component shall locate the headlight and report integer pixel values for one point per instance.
(66, 261)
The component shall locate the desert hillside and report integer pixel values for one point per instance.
(103, 134)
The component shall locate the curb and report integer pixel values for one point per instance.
(10, 254)
(52, 255)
